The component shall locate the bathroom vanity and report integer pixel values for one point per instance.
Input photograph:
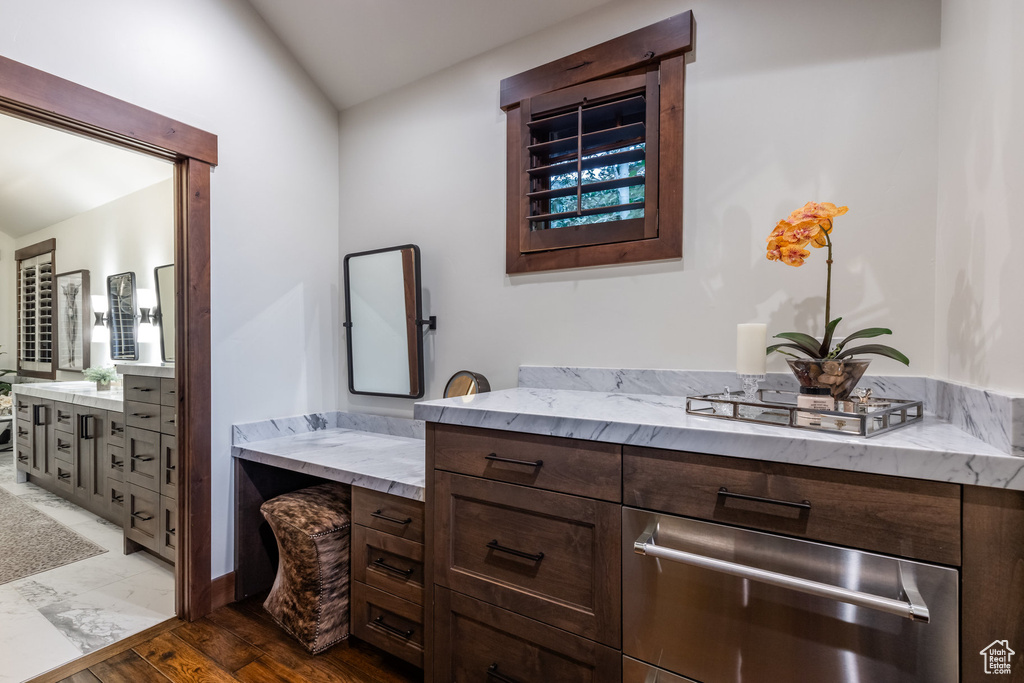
(601, 536)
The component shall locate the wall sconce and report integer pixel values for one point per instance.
(102, 319)
(150, 316)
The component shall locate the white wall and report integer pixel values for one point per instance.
(8, 303)
(786, 102)
(979, 281)
(134, 233)
(214, 64)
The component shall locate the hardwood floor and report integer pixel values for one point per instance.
(239, 642)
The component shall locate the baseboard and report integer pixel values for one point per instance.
(222, 591)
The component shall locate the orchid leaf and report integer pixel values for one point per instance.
(878, 349)
(827, 340)
(776, 347)
(804, 342)
(864, 334)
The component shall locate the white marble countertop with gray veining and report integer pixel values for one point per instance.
(381, 462)
(75, 393)
(932, 449)
(145, 369)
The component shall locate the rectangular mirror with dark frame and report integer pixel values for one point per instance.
(123, 322)
(164, 278)
(383, 321)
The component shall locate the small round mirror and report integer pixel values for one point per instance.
(466, 383)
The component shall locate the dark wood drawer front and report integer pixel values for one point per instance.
(391, 514)
(390, 623)
(115, 428)
(143, 458)
(113, 462)
(168, 528)
(168, 420)
(63, 446)
(117, 499)
(549, 556)
(23, 432)
(143, 520)
(142, 415)
(64, 479)
(64, 417)
(168, 466)
(388, 562)
(905, 517)
(582, 468)
(23, 460)
(169, 392)
(142, 389)
(481, 642)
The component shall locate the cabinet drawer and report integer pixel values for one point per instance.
(143, 458)
(168, 466)
(116, 496)
(23, 432)
(906, 517)
(142, 523)
(63, 445)
(168, 545)
(23, 409)
(168, 418)
(481, 642)
(390, 623)
(391, 514)
(115, 428)
(64, 479)
(549, 556)
(169, 392)
(388, 562)
(23, 461)
(113, 462)
(64, 417)
(142, 415)
(582, 468)
(142, 389)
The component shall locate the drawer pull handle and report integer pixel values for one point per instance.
(406, 635)
(142, 389)
(116, 430)
(492, 672)
(22, 458)
(63, 447)
(171, 468)
(379, 562)
(494, 545)
(171, 532)
(142, 517)
(117, 499)
(141, 416)
(142, 458)
(379, 514)
(64, 475)
(118, 464)
(39, 415)
(803, 505)
(22, 431)
(529, 463)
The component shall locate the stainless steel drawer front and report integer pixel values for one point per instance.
(717, 603)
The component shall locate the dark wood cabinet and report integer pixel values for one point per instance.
(389, 622)
(393, 515)
(480, 642)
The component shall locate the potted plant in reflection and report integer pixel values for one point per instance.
(102, 376)
(824, 362)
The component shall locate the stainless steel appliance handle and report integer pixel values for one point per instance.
(912, 608)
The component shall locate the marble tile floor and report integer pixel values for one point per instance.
(56, 616)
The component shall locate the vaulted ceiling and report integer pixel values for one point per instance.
(357, 49)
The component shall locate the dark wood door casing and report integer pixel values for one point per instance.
(37, 96)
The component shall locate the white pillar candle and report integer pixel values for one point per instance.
(751, 340)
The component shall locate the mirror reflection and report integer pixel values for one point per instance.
(164, 277)
(383, 309)
(124, 324)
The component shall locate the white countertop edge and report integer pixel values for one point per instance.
(82, 394)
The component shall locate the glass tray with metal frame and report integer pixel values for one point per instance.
(779, 408)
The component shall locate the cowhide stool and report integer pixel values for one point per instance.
(310, 594)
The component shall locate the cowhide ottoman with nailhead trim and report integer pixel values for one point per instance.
(310, 596)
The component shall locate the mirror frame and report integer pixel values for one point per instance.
(135, 316)
(160, 312)
(418, 390)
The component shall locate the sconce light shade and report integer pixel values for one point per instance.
(144, 316)
(101, 319)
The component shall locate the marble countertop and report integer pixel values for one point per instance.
(145, 370)
(381, 462)
(76, 393)
(932, 449)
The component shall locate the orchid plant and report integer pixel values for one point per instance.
(812, 225)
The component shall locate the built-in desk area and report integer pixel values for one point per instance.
(383, 460)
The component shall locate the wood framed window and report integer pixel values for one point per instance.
(594, 167)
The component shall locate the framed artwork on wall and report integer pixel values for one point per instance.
(73, 324)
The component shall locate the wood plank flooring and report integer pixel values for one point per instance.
(240, 642)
